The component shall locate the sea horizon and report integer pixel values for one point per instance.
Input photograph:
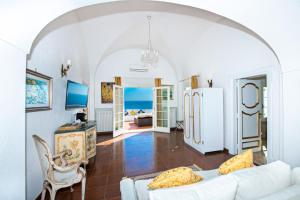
(138, 105)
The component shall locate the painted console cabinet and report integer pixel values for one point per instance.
(81, 141)
(203, 119)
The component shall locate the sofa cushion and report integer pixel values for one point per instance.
(175, 177)
(127, 188)
(296, 175)
(242, 161)
(208, 174)
(254, 183)
(144, 115)
(141, 186)
(219, 188)
(289, 193)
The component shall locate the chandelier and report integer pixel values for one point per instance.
(149, 56)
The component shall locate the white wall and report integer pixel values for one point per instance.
(118, 64)
(290, 118)
(223, 53)
(50, 52)
(12, 118)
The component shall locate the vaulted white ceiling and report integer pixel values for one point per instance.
(20, 28)
(176, 30)
(172, 35)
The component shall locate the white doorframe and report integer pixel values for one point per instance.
(136, 130)
(118, 130)
(162, 127)
(274, 124)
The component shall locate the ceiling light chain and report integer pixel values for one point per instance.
(149, 33)
(149, 56)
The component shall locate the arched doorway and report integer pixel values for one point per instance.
(90, 73)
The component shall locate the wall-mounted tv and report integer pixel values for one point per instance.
(76, 95)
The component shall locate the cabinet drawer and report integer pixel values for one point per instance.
(73, 141)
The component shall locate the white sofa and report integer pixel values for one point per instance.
(274, 181)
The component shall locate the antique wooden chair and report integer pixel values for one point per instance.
(58, 176)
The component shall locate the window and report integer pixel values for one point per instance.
(265, 102)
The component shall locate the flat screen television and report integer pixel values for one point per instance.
(76, 95)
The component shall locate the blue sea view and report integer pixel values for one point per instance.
(138, 99)
(138, 105)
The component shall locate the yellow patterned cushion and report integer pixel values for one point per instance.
(175, 177)
(244, 160)
(132, 113)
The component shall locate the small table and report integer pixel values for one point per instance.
(179, 125)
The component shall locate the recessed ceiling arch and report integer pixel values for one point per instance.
(109, 53)
(85, 12)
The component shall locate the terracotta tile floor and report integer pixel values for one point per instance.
(136, 154)
(130, 125)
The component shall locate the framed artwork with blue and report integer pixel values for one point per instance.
(38, 91)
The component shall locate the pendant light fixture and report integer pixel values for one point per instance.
(149, 56)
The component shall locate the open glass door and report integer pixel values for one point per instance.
(118, 110)
(161, 109)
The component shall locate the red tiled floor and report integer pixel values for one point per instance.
(132, 126)
(136, 154)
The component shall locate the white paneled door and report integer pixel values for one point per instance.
(118, 110)
(249, 109)
(161, 109)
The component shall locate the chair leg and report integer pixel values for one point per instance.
(43, 193)
(83, 188)
(44, 190)
(53, 193)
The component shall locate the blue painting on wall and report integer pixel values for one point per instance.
(38, 91)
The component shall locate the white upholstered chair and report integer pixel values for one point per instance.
(58, 176)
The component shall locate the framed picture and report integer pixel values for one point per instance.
(171, 91)
(107, 92)
(38, 91)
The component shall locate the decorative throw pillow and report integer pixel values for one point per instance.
(132, 113)
(174, 177)
(244, 160)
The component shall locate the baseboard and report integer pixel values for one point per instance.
(174, 129)
(104, 133)
(207, 153)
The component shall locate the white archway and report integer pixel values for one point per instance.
(116, 7)
(17, 38)
(195, 13)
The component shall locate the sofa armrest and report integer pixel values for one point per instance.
(296, 175)
(127, 189)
